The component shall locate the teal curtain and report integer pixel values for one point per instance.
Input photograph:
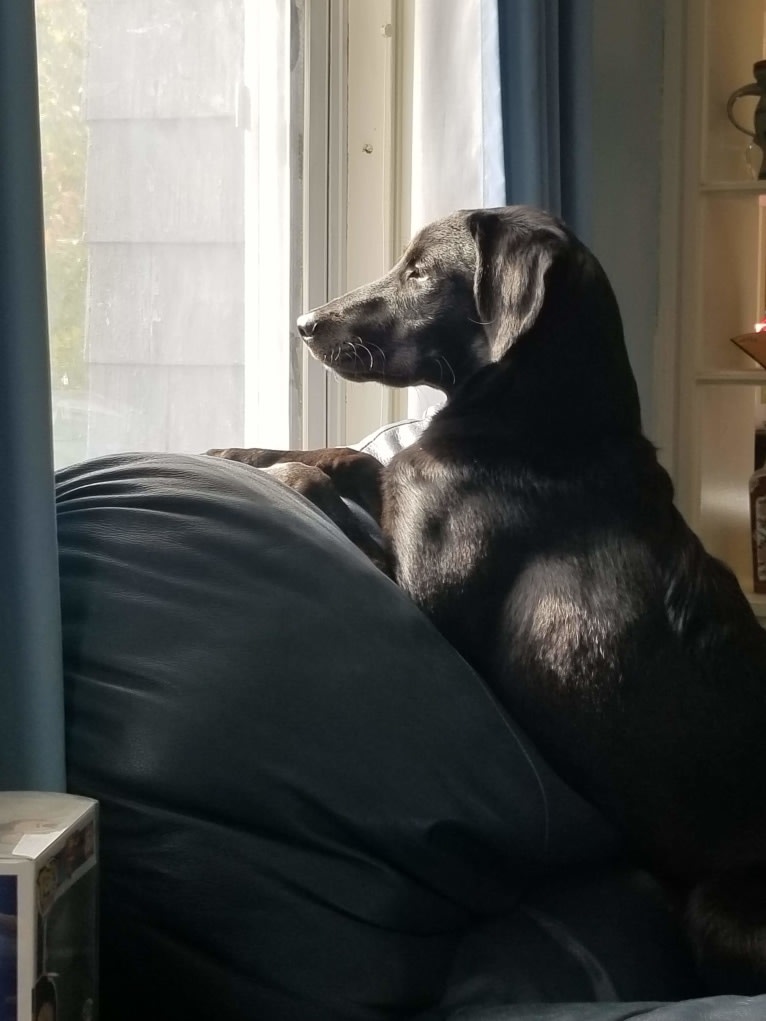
(546, 56)
(31, 686)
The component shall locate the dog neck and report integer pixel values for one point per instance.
(529, 396)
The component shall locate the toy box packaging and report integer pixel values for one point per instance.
(48, 907)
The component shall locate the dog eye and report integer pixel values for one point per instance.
(414, 272)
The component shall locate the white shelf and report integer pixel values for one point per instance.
(733, 186)
(743, 377)
(758, 603)
(720, 280)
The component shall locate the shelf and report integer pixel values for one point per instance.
(721, 287)
(744, 377)
(757, 601)
(758, 187)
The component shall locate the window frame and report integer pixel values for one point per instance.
(348, 104)
(342, 206)
(324, 208)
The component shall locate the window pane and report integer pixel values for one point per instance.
(168, 163)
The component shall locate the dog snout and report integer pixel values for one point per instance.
(307, 324)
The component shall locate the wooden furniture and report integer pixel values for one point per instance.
(720, 398)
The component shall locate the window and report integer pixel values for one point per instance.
(211, 169)
(173, 172)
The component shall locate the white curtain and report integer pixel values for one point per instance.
(457, 135)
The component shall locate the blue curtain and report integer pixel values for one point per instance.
(31, 687)
(545, 67)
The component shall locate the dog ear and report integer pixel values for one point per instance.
(509, 284)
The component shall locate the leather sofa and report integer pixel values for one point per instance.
(312, 809)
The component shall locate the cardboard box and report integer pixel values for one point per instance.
(48, 907)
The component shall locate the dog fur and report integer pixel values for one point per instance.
(534, 525)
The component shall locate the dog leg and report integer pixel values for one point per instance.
(319, 489)
(325, 477)
(356, 476)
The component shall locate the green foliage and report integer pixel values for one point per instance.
(61, 26)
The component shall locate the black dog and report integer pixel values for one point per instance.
(533, 524)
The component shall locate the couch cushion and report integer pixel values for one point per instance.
(609, 936)
(307, 795)
(712, 1008)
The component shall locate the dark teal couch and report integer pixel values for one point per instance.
(312, 809)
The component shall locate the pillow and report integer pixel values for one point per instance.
(307, 796)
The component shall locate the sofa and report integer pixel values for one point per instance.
(312, 809)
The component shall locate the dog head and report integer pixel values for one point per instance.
(416, 324)
(477, 288)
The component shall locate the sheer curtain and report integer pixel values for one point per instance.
(457, 136)
(501, 112)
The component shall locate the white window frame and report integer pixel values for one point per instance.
(355, 181)
(324, 209)
(338, 218)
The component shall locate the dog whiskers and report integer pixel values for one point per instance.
(358, 344)
(480, 323)
(452, 371)
(439, 359)
(382, 352)
(365, 348)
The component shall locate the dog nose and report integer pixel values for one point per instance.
(307, 323)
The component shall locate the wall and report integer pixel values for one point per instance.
(627, 125)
